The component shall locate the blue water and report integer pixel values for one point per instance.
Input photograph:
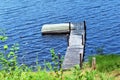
(23, 19)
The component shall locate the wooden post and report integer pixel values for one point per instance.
(80, 61)
(84, 25)
(85, 30)
(93, 63)
(69, 27)
(68, 39)
(82, 40)
(84, 36)
(83, 52)
(59, 60)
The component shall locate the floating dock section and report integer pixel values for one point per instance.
(76, 41)
(61, 28)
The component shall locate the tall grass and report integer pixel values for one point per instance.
(105, 63)
(44, 75)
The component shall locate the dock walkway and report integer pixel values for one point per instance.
(76, 46)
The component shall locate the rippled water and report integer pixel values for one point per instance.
(23, 20)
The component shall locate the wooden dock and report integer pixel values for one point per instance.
(76, 45)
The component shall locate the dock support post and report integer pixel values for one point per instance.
(85, 30)
(82, 39)
(69, 27)
(68, 39)
(93, 63)
(59, 60)
(80, 61)
(68, 34)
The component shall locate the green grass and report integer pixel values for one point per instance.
(73, 74)
(103, 61)
(16, 75)
(106, 63)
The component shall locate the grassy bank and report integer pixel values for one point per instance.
(108, 68)
(106, 63)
